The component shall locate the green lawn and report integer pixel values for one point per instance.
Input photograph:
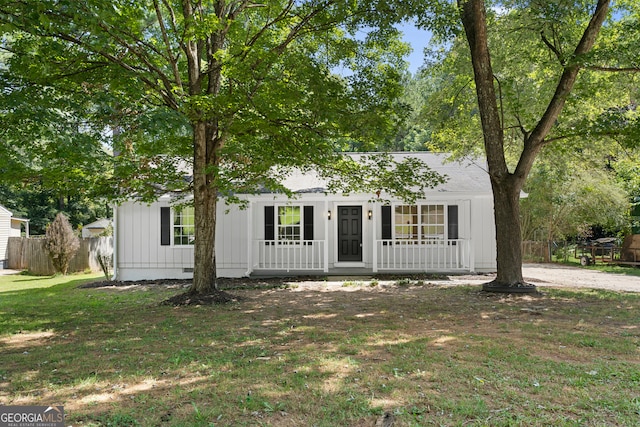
(23, 281)
(343, 356)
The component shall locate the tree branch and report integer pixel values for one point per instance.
(537, 137)
(170, 56)
(613, 69)
(553, 49)
(191, 51)
(473, 16)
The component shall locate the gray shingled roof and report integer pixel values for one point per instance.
(467, 175)
(99, 224)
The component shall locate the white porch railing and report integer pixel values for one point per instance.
(425, 255)
(298, 255)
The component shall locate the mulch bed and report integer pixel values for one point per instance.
(187, 298)
(220, 296)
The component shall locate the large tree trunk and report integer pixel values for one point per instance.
(506, 185)
(506, 197)
(207, 141)
(205, 198)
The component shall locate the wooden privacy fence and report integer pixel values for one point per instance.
(30, 254)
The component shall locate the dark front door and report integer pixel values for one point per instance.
(349, 233)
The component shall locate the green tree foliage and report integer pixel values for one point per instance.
(52, 148)
(414, 134)
(41, 205)
(62, 243)
(563, 201)
(520, 78)
(224, 89)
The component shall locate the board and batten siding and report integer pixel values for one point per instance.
(233, 229)
(140, 254)
(483, 236)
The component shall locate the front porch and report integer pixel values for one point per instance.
(312, 257)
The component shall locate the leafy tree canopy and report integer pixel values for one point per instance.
(295, 79)
(530, 43)
(224, 89)
(522, 78)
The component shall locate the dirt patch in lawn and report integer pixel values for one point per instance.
(540, 275)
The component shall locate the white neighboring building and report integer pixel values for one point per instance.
(96, 228)
(9, 227)
(450, 229)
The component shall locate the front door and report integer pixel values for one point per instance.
(350, 233)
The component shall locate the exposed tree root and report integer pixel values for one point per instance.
(510, 288)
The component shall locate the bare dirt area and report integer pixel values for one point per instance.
(541, 275)
(556, 275)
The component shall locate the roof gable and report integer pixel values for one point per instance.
(5, 211)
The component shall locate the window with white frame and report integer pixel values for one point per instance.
(432, 222)
(289, 224)
(406, 222)
(183, 226)
(419, 222)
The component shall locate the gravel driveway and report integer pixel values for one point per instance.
(560, 275)
(554, 275)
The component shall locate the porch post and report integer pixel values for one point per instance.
(115, 242)
(249, 239)
(470, 250)
(374, 229)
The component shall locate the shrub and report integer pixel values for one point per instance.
(61, 243)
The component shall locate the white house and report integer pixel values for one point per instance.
(451, 229)
(9, 227)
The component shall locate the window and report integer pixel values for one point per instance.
(289, 220)
(429, 224)
(288, 224)
(432, 221)
(406, 222)
(183, 226)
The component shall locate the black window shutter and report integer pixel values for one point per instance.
(308, 222)
(452, 218)
(165, 226)
(386, 222)
(269, 225)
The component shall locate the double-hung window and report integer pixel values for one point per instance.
(432, 222)
(406, 222)
(419, 223)
(183, 226)
(288, 224)
(177, 226)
